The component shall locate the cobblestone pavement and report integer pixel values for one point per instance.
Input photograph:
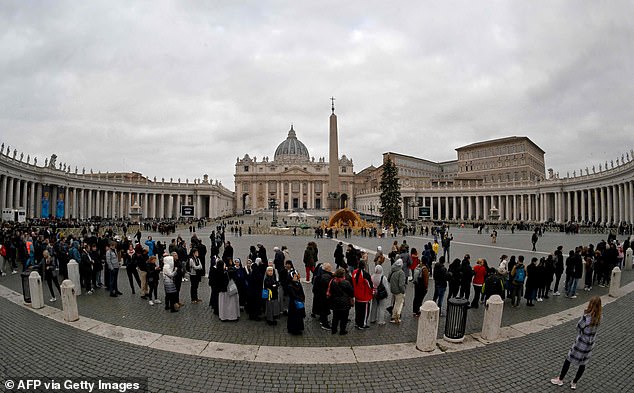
(32, 345)
(198, 321)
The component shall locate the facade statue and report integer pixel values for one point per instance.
(21, 156)
(28, 159)
(46, 162)
(35, 161)
(53, 161)
(15, 153)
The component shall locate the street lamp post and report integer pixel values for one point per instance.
(273, 206)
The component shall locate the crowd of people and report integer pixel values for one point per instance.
(271, 288)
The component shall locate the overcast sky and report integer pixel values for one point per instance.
(182, 88)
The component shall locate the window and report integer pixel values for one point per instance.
(246, 168)
(343, 169)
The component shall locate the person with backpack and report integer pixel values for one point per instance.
(381, 296)
(421, 285)
(493, 284)
(519, 276)
(397, 281)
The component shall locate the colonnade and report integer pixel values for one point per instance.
(604, 204)
(84, 201)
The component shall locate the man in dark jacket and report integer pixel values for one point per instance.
(340, 295)
(559, 268)
(571, 282)
(440, 282)
(320, 289)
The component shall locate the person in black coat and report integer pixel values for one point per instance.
(320, 289)
(549, 271)
(532, 282)
(340, 296)
(466, 274)
(254, 289)
(339, 256)
(216, 281)
(541, 279)
(296, 306)
(559, 269)
(454, 278)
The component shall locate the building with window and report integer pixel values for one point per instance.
(293, 178)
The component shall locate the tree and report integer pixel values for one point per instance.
(390, 195)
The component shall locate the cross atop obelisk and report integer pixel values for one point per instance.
(332, 99)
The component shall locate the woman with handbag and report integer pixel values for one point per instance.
(296, 306)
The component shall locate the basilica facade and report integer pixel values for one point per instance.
(292, 179)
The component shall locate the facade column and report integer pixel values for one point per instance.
(170, 206)
(24, 202)
(9, 194)
(3, 192)
(67, 204)
(582, 200)
(603, 204)
(300, 203)
(477, 207)
(161, 206)
(82, 204)
(440, 208)
(485, 207)
(31, 208)
(621, 202)
(631, 201)
(595, 213)
(431, 207)
(290, 196)
(469, 207)
(529, 214)
(153, 206)
(609, 216)
(575, 205)
(89, 207)
(462, 212)
(568, 206)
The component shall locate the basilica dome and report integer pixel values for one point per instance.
(292, 149)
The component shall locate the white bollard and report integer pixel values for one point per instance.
(629, 259)
(69, 301)
(73, 275)
(35, 286)
(615, 282)
(492, 318)
(428, 327)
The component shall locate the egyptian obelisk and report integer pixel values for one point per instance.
(333, 161)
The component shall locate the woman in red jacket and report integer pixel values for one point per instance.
(363, 294)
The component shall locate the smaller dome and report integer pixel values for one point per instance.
(291, 149)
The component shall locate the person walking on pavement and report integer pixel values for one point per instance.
(534, 239)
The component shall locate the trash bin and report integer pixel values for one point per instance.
(26, 289)
(456, 321)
